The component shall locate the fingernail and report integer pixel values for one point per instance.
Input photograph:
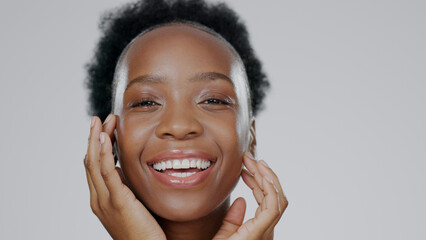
(250, 155)
(108, 118)
(264, 163)
(102, 138)
(92, 122)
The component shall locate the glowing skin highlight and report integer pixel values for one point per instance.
(238, 76)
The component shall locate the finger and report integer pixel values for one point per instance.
(270, 203)
(109, 126)
(252, 184)
(267, 218)
(89, 181)
(93, 159)
(233, 219)
(108, 171)
(258, 210)
(251, 165)
(93, 195)
(266, 171)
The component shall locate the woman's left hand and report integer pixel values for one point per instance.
(270, 197)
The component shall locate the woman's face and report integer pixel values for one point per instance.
(177, 135)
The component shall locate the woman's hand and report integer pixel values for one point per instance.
(270, 197)
(111, 200)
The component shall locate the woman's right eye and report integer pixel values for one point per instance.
(144, 104)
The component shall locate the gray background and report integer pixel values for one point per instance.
(344, 127)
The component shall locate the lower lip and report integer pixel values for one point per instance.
(182, 182)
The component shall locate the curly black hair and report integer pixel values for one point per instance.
(120, 26)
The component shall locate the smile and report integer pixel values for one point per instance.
(181, 168)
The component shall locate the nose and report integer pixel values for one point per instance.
(178, 123)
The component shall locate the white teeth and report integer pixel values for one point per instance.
(176, 174)
(176, 164)
(169, 165)
(182, 164)
(204, 164)
(185, 164)
(157, 166)
(185, 174)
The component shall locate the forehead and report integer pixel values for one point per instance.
(177, 49)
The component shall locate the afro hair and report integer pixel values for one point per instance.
(120, 26)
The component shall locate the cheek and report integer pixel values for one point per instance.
(225, 134)
(132, 136)
(223, 130)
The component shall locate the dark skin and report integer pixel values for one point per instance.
(179, 95)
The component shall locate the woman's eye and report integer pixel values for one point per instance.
(216, 101)
(144, 104)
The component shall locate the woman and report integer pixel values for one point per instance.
(184, 90)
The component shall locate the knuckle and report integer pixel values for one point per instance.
(95, 211)
(104, 206)
(117, 204)
(89, 164)
(276, 213)
(105, 174)
(103, 151)
(94, 207)
(285, 203)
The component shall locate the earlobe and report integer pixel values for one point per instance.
(252, 142)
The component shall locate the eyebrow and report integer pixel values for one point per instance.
(145, 79)
(204, 76)
(210, 76)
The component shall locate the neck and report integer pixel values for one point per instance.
(203, 228)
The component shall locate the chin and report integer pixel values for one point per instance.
(186, 207)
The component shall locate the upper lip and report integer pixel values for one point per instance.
(181, 154)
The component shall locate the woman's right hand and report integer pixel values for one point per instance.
(121, 213)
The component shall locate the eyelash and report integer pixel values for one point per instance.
(216, 101)
(145, 103)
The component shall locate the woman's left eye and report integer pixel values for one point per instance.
(216, 101)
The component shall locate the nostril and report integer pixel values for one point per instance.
(181, 136)
(167, 135)
(191, 135)
(182, 126)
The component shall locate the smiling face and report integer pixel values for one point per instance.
(182, 123)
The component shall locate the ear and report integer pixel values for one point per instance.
(252, 142)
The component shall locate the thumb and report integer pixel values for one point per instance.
(233, 219)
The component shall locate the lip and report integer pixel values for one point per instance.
(181, 182)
